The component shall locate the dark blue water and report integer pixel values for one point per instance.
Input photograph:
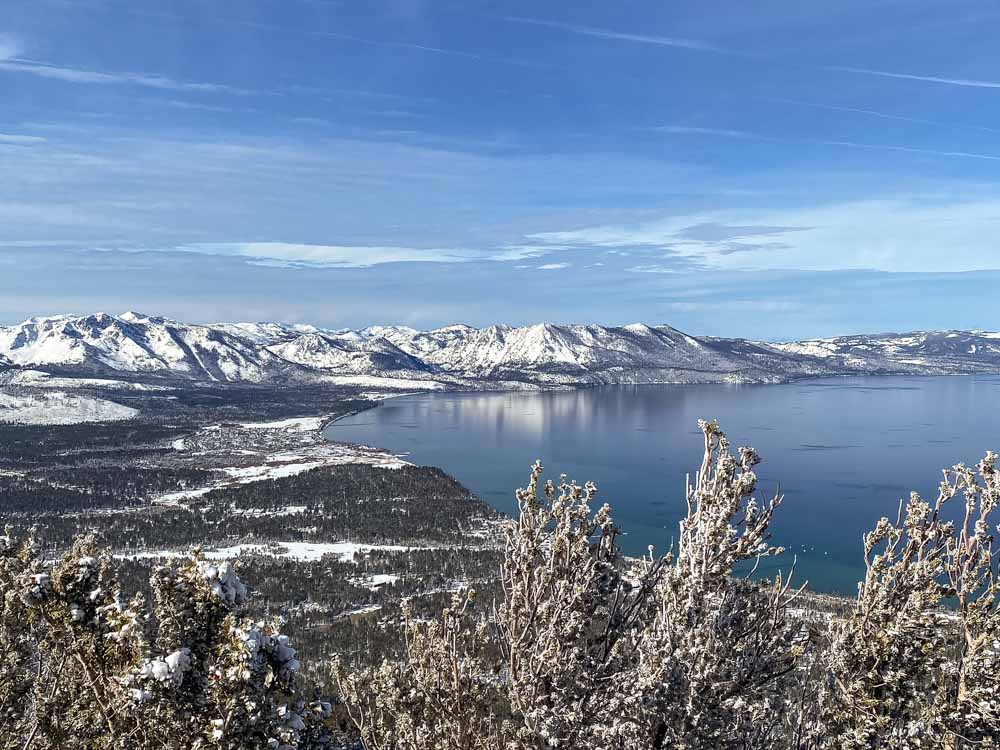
(844, 450)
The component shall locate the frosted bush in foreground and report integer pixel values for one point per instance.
(717, 658)
(906, 672)
(80, 668)
(587, 649)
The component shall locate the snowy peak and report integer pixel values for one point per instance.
(131, 316)
(134, 343)
(550, 353)
(541, 354)
(347, 353)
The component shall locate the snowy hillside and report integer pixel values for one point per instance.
(136, 343)
(59, 408)
(347, 353)
(925, 351)
(462, 356)
(582, 353)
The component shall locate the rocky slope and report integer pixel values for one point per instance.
(463, 356)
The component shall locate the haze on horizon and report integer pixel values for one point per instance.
(773, 171)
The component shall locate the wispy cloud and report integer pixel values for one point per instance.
(703, 46)
(20, 140)
(181, 104)
(743, 134)
(911, 77)
(78, 75)
(654, 269)
(904, 234)
(724, 132)
(302, 255)
(362, 40)
(876, 113)
(399, 45)
(277, 254)
(909, 150)
(660, 41)
(291, 254)
(403, 45)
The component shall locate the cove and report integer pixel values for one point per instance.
(842, 451)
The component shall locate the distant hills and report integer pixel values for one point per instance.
(462, 356)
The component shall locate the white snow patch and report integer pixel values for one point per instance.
(818, 348)
(383, 396)
(313, 453)
(298, 424)
(172, 498)
(372, 381)
(288, 510)
(39, 379)
(300, 551)
(60, 408)
(245, 474)
(374, 581)
(289, 464)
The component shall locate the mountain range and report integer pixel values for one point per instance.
(463, 356)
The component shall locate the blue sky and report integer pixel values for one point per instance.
(767, 169)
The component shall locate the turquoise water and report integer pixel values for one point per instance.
(844, 450)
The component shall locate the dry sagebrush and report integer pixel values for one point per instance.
(82, 670)
(587, 649)
(906, 671)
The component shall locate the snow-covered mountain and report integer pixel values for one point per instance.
(586, 354)
(348, 353)
(930, 352)
(463, 356)
(131, 342)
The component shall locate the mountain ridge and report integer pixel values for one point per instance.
(497, 356)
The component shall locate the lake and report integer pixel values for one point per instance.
(843, 451)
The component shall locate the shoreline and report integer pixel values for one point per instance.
(328, 421)
(588, 386)
(908, 398)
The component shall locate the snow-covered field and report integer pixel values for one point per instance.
(299, 424)
(258, 451)
(39, 379)
(289, 464)
(288, 510)
(300, 551)
(57, 407)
